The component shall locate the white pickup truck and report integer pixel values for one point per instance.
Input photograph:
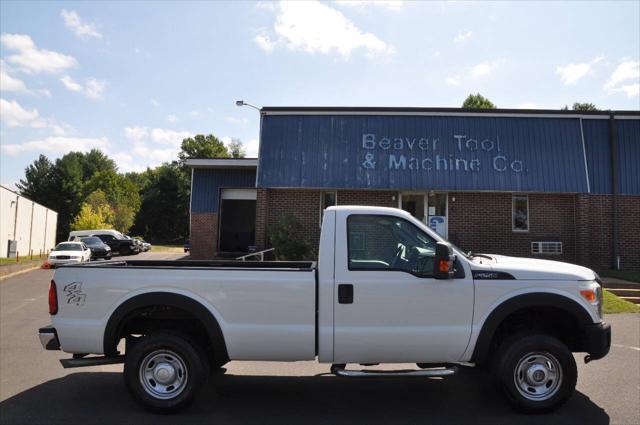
(386, 289)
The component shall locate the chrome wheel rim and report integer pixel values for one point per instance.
(538, 376)
(163, 374)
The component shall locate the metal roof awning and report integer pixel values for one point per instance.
(222, 162)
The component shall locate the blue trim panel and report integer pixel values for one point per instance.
(422, 152)
(628, 135)
(208, 182)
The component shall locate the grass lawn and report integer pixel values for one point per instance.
(633, 276)
(614, 304)
(23, 260)
(167, 248)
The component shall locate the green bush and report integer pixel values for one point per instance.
(286, 237)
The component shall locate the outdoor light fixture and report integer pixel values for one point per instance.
(243, 103)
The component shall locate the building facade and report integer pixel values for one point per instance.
(551, 184)
(26, 227)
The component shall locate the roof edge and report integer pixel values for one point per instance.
(222, 162)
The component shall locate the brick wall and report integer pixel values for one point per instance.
(204, 236)
(482, 222)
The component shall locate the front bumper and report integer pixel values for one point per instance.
(49, 338)
(597, 340)
(55, 261)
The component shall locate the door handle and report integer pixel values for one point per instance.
(345, 293)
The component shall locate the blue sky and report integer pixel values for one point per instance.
(135, 78)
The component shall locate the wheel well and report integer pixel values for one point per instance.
(547, 320)
(152, 312)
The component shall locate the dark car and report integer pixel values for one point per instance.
(118, 242)
(187, 246)
(98, 248)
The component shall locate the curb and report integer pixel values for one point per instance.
(7, 276)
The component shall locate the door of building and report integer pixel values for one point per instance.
(237, 220)
(428, 207)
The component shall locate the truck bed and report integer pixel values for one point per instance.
(201, 264)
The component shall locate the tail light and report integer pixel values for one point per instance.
(53, 299)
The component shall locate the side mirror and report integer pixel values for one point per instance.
(443, 261)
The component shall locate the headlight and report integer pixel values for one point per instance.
(592, 293)
(52, 257)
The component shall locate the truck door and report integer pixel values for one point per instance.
(388, 308)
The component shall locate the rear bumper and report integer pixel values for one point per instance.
(49, 338)
(597, 340)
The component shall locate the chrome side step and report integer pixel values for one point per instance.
(339, 370)
(91, 361)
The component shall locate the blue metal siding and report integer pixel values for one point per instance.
(329, 151)
(628, 136)
(208, 182)
(597, 146)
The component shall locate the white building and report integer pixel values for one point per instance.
(31, 225)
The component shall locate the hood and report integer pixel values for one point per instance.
(69, 253)
(537, 269)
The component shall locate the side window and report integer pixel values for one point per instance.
(327, 199)
(520, 206)
(379, 242)
(105, 238)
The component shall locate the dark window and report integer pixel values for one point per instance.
(379, 242)
(520, 214)
(327, 199)
(106, 238)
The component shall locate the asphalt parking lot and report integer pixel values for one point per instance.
(34, 388)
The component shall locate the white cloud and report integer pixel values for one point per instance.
(234, 120)
(9, 83)
(33, 60)
(141, 155)
(71, 84)
(172, 118)
(360, 4)
(83, 30)
(315, 27)
(14, 115)
(462, 36)
(628, 71)
(57, 145)
(93, 88)
(250, 147)
(264, 42)
(572, 73)
(486, 68)
(454, 81)
(137, 134)
(169, 137)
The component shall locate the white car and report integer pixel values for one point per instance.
(69, 253)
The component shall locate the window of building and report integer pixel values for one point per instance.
(378, 242)
(520, 213)
(546, 247)
(327, 199)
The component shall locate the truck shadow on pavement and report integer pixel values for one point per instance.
(101, 397)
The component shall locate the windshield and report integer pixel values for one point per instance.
(68, 247)
(92, 241)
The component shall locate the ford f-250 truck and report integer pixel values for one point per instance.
(386, 289)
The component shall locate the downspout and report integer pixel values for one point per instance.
(615, 260)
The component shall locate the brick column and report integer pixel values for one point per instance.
(204, 236)
(582, 229)
(261, 218)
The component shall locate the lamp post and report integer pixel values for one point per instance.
(243, 103)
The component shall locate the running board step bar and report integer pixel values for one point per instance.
(91, 361)
(339, 370)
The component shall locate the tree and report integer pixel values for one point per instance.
(201, 146)
(37, 182)
(287, 239)
(121, 194)
(477, 101)
(90, 218)
(577, 106)
(164, 211)
(236, 149)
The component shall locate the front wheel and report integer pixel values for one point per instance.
(538, 372)
(164, 371)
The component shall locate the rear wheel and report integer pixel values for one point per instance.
(538, 372)
(164, 371)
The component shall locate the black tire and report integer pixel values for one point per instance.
(522, 359)
(191, 366)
